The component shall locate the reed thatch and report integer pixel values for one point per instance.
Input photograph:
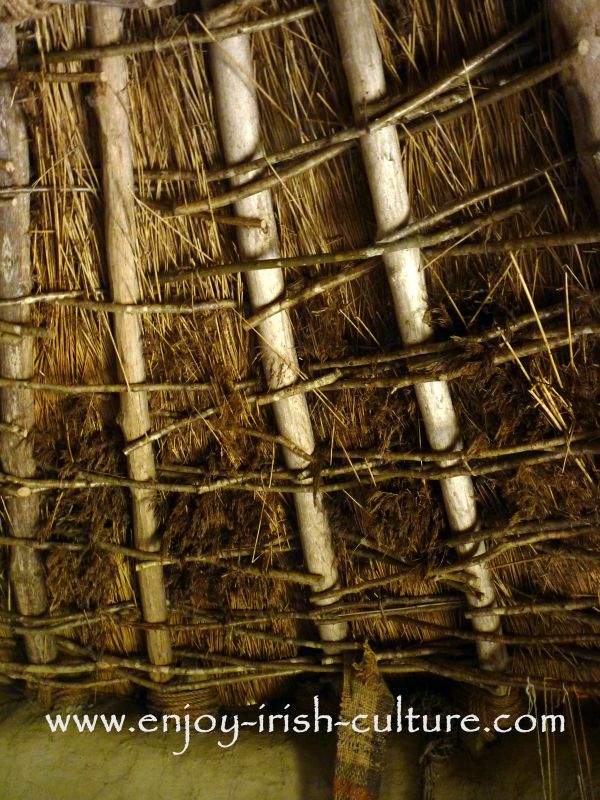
(515, 320)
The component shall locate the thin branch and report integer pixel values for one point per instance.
(406, 106)
(567, 239)
(72, 298)
(171, 42)
(369, 251)
(52, 77)
(584, 525)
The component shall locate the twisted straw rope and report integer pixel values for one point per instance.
(195, 702)
(21, 10)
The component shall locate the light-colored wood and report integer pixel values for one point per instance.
(16, 359)
(112, 109)
(363, 65)
(239, 126)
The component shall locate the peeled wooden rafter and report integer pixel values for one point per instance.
(112, 108)
(16, 358)
(239, 124)
(363, 65)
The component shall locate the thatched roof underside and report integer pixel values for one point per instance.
(509, 398)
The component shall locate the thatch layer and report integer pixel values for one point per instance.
(233, 566)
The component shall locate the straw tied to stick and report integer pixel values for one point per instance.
(324, 148)
(319, 151)
(365, 470)
(421, 363)
(238, 622)
(433, 246)
(433, 658)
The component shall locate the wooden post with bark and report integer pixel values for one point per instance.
(16, 359)
(112, 108)
(574, 21)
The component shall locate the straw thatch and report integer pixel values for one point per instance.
(515, 325)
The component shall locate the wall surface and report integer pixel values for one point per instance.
(34, 763)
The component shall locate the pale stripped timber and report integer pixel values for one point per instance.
(363, 65)
(112, 109)
(239, 127)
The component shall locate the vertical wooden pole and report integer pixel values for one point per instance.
(363, 65)
(16, 360)
(574, 21)
(239, 124)
(112, 108)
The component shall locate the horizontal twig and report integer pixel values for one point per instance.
(500, 246)
(72, 298)
(548, 607)
(51, 77)
(356, 254)
(171, 42)
(11, 191)
(148, 559)
(303, 481)
(102, 388)
(451, 462)
(585, 525)
(348, 137)
(457, 343)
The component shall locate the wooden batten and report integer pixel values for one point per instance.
(239, 127)
(17, 359)
(363, 65)
(112, 109)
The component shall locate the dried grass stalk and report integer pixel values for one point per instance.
(239, 123)
(363, 65)
(16, 359)
(112, 109)
(572, 22)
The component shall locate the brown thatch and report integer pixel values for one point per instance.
(516, 333)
